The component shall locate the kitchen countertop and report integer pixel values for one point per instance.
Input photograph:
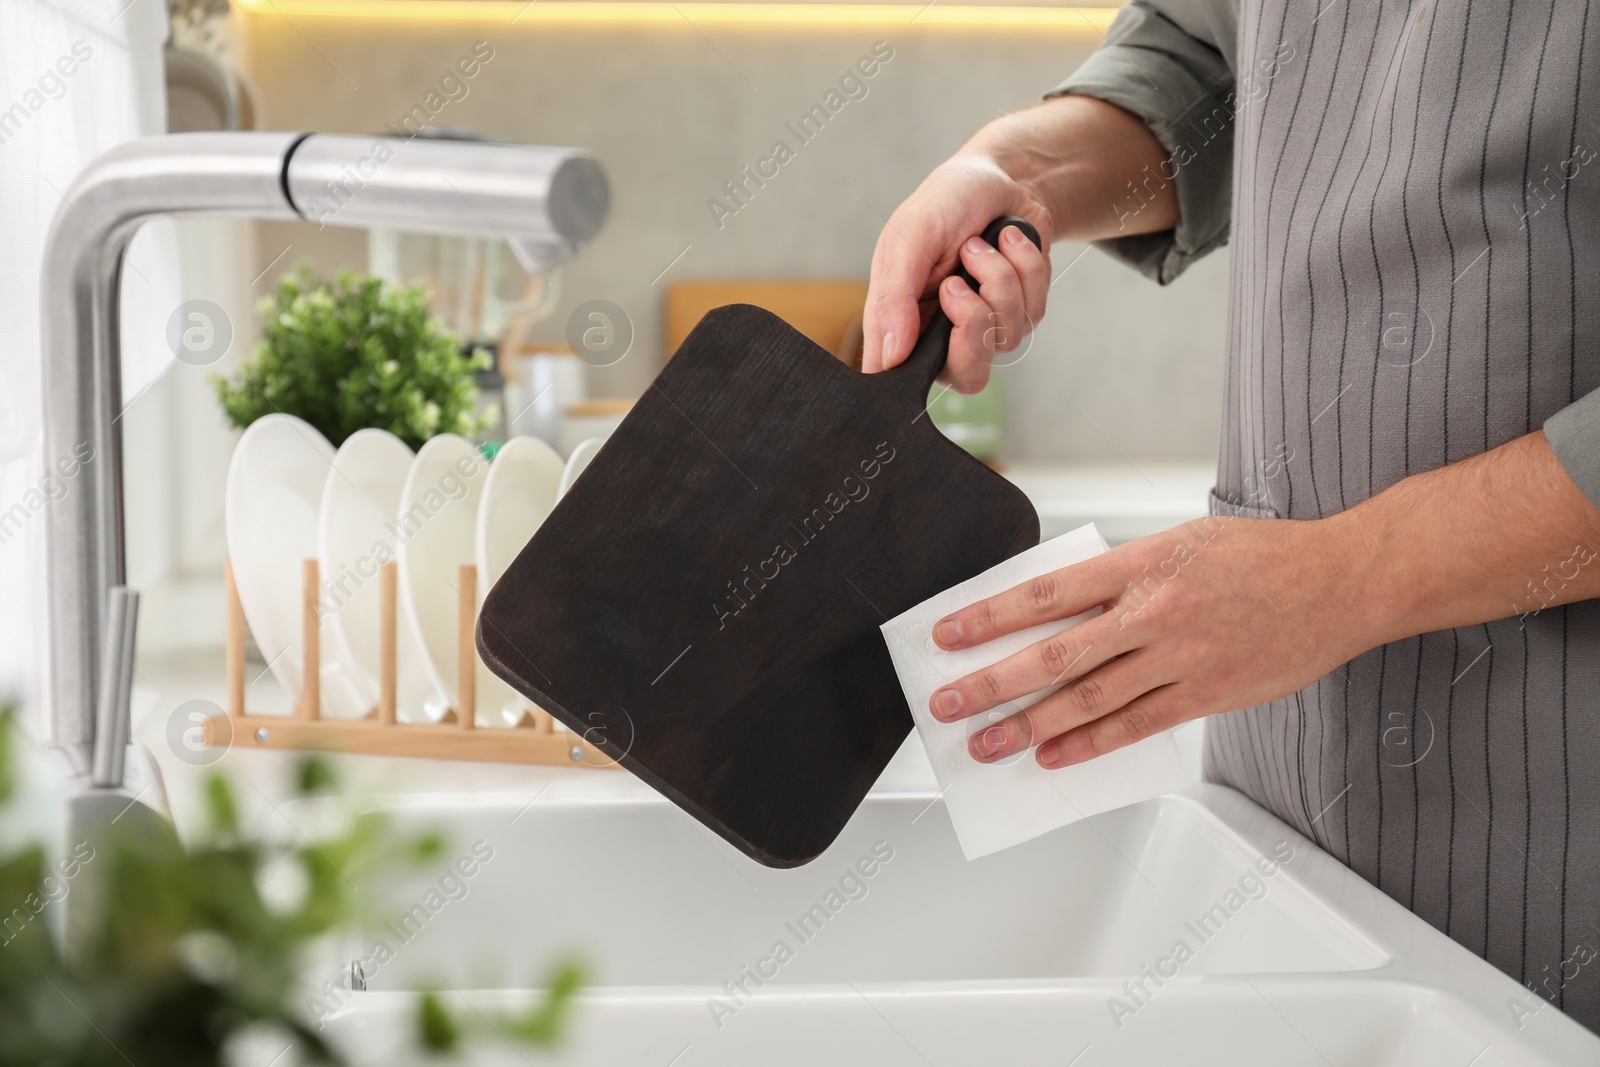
(181, 660)
(263, 779)
(1128, 499)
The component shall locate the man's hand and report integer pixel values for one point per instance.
(1220, 613)
(1226, 613)
(1063, 165)
(920, 246)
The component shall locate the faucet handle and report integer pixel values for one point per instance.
(114, 713)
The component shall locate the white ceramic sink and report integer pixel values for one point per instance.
(1019, 958)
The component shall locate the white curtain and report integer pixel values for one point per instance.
(76, 77)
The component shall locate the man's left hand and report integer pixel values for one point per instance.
(1218, 614)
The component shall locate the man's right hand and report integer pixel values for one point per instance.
(916, 258)
(1064, 166)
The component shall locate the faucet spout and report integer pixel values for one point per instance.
(546, 202)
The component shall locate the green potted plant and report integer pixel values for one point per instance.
(355, 353)
(190, 954)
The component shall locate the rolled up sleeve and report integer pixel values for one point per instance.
(1171, 63)
(1574, 436)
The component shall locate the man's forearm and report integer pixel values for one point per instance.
(1229, 613)
(1503, 533)
(1078, 155)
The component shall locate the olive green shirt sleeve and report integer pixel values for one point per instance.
(1172, 63)
(1574, 436)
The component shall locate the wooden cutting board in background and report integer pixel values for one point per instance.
(822, 309)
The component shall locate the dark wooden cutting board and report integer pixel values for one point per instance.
(704, 603)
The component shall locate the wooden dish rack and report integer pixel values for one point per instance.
(380, 733)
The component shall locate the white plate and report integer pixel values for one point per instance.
(579, 425)
(356, 533)
(275, 483)
(524, 483)
(579, 461)
(436, 526)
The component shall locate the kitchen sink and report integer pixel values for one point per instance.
(1195, 928)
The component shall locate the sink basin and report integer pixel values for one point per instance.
(653, 900)
(1194, 928)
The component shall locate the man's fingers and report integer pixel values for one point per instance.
(1070, 654)
(1012, 282)
(961, 302)
(1056, 595)
(966, 367)
(1000, 287)
(889, 327)
(1097, 693)
(1157, 710)
(1033, 269)
(903, 266)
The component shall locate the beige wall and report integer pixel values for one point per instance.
(674, 114)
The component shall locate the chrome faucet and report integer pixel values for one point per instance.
(546, 203)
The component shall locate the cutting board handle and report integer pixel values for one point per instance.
(927, 357)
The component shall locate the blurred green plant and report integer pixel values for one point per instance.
(440, 1031)
(352, 354)
(191, 954)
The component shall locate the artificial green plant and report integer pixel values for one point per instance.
(351, 354)
(192, 949)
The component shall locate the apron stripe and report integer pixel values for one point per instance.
(1409, 192)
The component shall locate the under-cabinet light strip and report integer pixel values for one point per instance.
(1089, 20)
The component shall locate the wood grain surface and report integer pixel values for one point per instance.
(704, 605)
(820, 308)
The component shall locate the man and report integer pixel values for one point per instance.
(1396, 586)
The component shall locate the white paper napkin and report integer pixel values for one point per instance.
(995, 806)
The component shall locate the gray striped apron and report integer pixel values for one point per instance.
(1416, 241)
